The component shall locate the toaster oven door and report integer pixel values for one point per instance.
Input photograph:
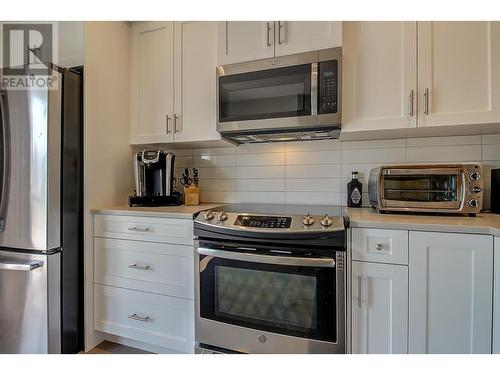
(438, 188)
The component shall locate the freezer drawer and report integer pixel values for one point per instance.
(29, 303)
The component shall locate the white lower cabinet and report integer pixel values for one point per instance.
(158, 320)
(450, 293)
(496, 299)
(379, 308)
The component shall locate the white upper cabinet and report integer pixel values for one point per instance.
(379, 84)
(152, 82)
(245, 41)
(173, 82)
(450, 293)
(195, 101)
(379, 308)
(459, 73)
(301, 36)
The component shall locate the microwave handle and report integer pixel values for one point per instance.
(314, 89)
(269, 259)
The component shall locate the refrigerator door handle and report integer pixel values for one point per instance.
(4, 157)
(20, 266)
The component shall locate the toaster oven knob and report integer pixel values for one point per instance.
(327, 221)
(474, 176)
(476, 189)
(308, 220)
(473, 203)
(208, 215)
(222, 216)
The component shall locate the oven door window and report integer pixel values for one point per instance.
(291, 300)
(273, 93)
(441, 190)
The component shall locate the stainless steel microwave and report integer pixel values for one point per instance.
(433, 188)
(296, 97)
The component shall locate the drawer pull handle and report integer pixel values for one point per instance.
(146, 319)
(379, 246)
(139, 267)
(137, 229)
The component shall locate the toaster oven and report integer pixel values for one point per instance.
(427, 188)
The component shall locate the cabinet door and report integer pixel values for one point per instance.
(496, 302)
(195, 81)
(451, 277)
(379, 85)
(379, 308)
(245, 41)
(459, 73)
(303, 36)
(152, 85)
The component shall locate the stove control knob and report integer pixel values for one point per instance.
(473, 203)
(476, 189)
(474, 176)
(327, 221)
(208, 215)
(308, 220)
(222, 216)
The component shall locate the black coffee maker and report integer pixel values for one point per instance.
(154, 179)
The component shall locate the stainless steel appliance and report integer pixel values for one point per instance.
(454, 188)
(296, 97)
(41, 205)
(154, 179)
(270, 283)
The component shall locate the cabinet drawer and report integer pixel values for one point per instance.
(151, 267)
(151, 229)
(380, 245)
(158, 320)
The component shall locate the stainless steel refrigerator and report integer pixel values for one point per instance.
(41, 253)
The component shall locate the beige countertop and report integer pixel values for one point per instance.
(483, 223)
(174, 212)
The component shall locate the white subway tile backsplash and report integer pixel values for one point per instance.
(443, 153)
(261, 197)
(314, 184)
(317, 172)
(375, 155)
(261, 184)
(313, 157)
(261, 172)
(313, 171)
(275, 158)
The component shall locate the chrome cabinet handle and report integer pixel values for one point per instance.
(146, 319)
(426, 101)
(20, 266)
(168, 118)
(359, 291)
(281, 25)
(268, 25)
(410, 103)
(379, 246)
(176, 117)
(268, 259)
(137, 229)
(139, 267)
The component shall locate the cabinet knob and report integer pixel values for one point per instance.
(379, 246)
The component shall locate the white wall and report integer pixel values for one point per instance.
(108, 172)
(317, 172)
(71, 43)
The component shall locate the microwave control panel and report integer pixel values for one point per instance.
(328, 86)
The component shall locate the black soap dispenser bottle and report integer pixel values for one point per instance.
(354, 191)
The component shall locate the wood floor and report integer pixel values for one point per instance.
(107, 347)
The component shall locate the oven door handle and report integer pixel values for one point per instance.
(269, 259)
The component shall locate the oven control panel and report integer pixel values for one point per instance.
(263, 221)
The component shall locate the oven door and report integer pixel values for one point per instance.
(270, 303)
(430, 188)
